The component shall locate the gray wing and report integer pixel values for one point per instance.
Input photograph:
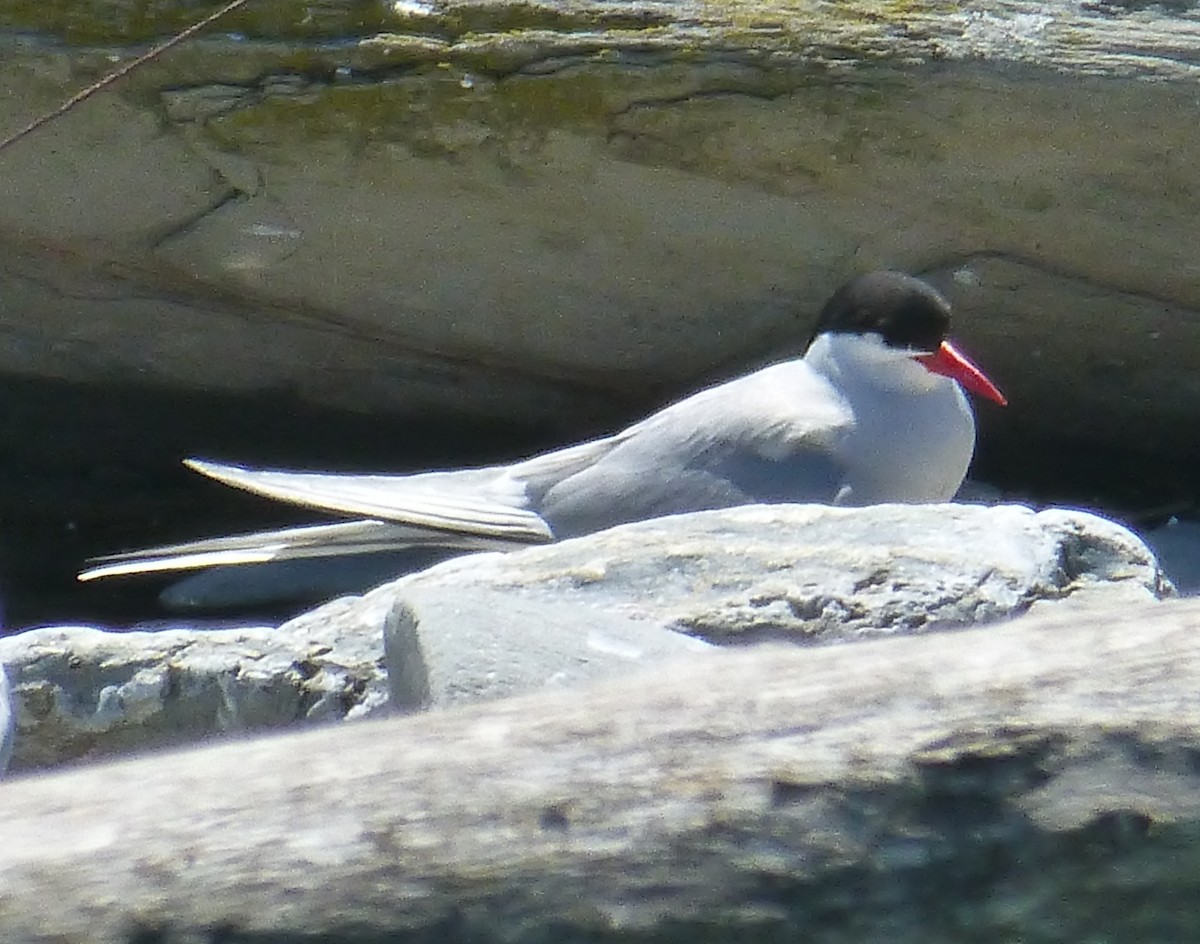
(492, 502)
(767, 437)
(315, 541)
(772, 436)
(467, 510)
(484, 502)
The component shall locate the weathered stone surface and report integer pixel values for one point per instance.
(561, 186)
(817, 573)
(1176, 546)
(805, 573)
(82, 692)
(444, 646)
(7, 722)
(1139, 379)
(72, 323)
(1035, 781)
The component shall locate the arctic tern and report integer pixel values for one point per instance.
(873, 412)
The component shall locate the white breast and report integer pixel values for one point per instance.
(913, 434)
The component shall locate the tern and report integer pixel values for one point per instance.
(874, 412)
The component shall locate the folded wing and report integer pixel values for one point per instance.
(474, 501)
(463, 510)
(328, 540)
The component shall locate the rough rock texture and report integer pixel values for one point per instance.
(7, 721)
(1035, 782)
(806, 573)
(1176, 546)
(816, 573)
(83, 692)
(408, 200)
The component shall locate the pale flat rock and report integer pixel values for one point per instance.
(1029, 782)
(803, 573)
(547, 192)
(1176, 544)
(444, 646)
(818, 573)
(83, 692)
(7, 721)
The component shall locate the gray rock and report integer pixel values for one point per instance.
(516, 621)
(84, 692)
(817, 573)
(7, 721)
(1029, 782)
(1176, 544)
(576, 182)
(1112, 365)
(444, 646)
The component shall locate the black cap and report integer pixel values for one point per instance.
(907, 312)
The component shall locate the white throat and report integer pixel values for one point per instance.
(913, 432)
(865, 359)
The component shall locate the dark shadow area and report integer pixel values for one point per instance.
(1138, 488)
(87, 470)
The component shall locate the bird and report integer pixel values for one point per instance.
(873, 412)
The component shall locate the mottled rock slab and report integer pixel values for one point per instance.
(572, 198)
(83, 692)
(1034, 781)
(7, 721)
(446, 646)
(814, 573)
(492, 625)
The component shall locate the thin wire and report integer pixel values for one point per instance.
(120, 73)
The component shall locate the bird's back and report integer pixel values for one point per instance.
(770, 436)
